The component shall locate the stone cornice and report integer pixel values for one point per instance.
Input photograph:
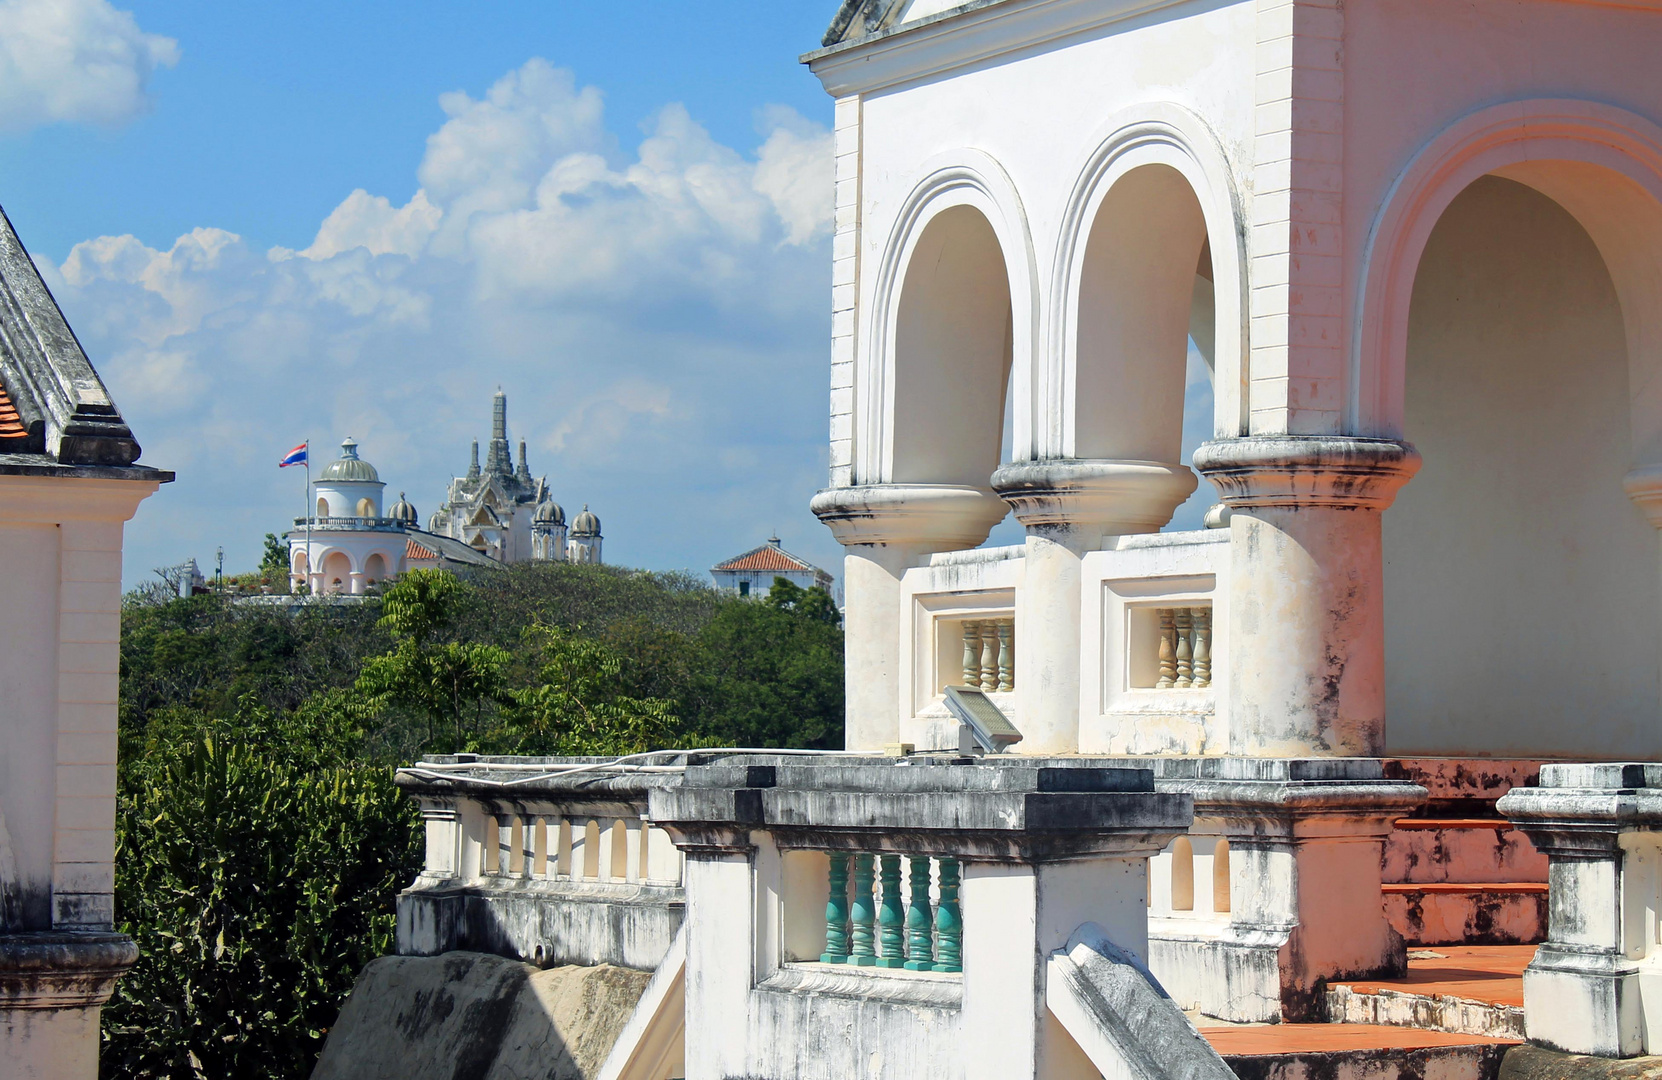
(49, 496)
(966, 34)
(1298, 471)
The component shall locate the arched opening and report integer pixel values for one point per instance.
(337, 571)
(619, 870)
(300, 562)
(322, 507)
(1521, 585)
(366, 508)
(375, 569)
(1145, 328)
(952, 353)
(1220, 877)
(1182, 874)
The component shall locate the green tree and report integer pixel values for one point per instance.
(274, 559)
(582, 704)
(257, 873)
(448, 683)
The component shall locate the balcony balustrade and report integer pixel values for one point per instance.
(920, 930)
(1185, 648)
(989, 654)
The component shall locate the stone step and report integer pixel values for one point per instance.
(1468, 990)
(1460, 850)
(1467, 913)
(1355, 1052)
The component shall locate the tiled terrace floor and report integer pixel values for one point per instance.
(1491, 973)
(1326, 1038)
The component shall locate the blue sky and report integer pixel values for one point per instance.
(274, 222)
(269, 223)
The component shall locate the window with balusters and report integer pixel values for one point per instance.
(1171, 647)
(988, 650)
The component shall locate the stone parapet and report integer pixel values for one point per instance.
(1595, 985)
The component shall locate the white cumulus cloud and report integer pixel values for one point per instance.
(75, 61)
(658, 317)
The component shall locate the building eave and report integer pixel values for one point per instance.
(967, 34)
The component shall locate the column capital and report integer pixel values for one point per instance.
(1338, 472)
(1104, 496)
(927, 517)
(62, 969)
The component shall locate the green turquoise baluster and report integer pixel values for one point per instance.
(891, 916)
(836, 912)
(919, 945)
(949, 921)
(862, 915)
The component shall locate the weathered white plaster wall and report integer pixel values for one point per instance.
(28, 713)
(1522, 598)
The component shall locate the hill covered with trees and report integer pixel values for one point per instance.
(260, 839)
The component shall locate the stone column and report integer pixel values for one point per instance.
(885, 529)
(1306, 617)
(355, 583)
(1068, 506)
(1595, 984)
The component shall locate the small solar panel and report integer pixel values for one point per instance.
(981, 720)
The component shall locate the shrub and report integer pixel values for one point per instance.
(258, 872)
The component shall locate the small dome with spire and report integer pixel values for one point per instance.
(349, 466)
(585, 524)
(403, 511)
(549, 512)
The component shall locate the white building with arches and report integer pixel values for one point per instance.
(1419, 249)
(350, 546)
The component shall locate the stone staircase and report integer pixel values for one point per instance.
(1468, 893)
(1457, 873)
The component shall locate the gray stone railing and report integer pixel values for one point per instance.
(909, 897)
(530, 860)
(382, 524)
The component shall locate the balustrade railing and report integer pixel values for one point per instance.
(989, 654)
(920, 929)
(1185, 648)
(578, 848)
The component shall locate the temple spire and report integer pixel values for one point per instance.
(524, 472)
(497, 459)
(473, 468)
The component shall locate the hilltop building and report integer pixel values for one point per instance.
(500, 511)
(349, 545)
(69, 481)
(752, 573)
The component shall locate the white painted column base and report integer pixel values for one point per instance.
(52, 989)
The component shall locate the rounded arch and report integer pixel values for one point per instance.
(322, 507)
(336, 566)
(366, 507)
(299, 561)
(1602, 164)
(375, 568)
(1182, 874)
(1156, 134)
(973, 202)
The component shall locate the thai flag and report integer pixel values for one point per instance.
(297, 456)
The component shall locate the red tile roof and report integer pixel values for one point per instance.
(413, 550)
(11, 424)
(766, 557)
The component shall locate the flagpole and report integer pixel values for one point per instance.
(308, 509)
